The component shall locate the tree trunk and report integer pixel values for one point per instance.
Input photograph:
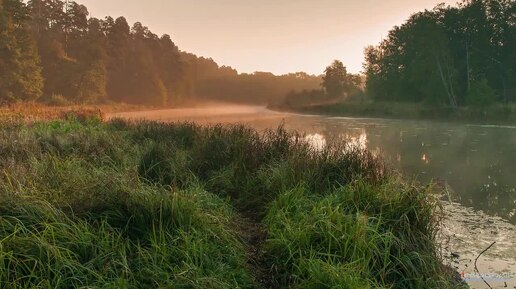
(443, 79)
(450, 81)
(467, 67)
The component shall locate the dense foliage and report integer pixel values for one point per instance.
(336, 85)
(449, 56)
(86, 204)
(20, 72)
(53, 50)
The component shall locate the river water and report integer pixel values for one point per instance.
(475, 163)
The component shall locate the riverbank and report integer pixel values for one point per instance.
(496, 114)
(86, 203)
(30, 112)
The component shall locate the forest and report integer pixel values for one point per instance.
(445, 59)
(52, 51)
(449, 63)
(451, 56)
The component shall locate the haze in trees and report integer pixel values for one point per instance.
(336, 85)
(449, 57)
(55, 52)
(20, 71)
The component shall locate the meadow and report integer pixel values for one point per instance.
(91, 204)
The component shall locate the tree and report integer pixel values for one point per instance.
(93, 75)
(481, 94)
(143, 79)
(335, 80)
(118, 51)
(171, 68)
(440, 56)
(47, 24)
(84, 60)
(20, 73)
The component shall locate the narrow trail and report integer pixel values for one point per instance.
(255, 235)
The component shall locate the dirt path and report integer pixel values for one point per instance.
(255, 235)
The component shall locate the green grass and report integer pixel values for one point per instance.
(358, 236)
(86, 204)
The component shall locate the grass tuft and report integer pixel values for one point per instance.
(87, 204)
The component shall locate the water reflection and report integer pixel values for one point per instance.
(425, 159)
(477, 163)
(357, 141)
(316, 141)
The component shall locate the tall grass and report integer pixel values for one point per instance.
(357, 236)
(86, 204)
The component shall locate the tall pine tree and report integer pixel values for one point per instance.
(20, 72)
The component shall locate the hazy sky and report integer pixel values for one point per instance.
(279, 36)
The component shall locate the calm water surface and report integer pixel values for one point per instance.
(476, 164)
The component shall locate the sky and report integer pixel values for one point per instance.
(278, 36)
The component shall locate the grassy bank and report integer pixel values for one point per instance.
(88, 204)
(30, 112)
(492, 114)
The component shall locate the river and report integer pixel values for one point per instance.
(475, 163)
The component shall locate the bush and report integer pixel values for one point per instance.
(481, 94)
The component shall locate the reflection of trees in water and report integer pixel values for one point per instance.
(477, 163)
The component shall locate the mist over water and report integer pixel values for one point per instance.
(474, 163)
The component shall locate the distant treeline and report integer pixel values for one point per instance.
(337, 85)
(54, 52)
(448, 57)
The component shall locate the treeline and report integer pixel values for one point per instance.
(448, 57)
(336, 85)
(51, 50)
(225, 83)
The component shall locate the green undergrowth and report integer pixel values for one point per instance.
(86, 204)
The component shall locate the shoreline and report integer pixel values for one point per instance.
(372, 111)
